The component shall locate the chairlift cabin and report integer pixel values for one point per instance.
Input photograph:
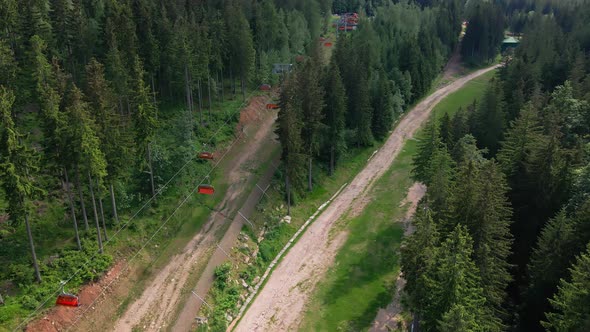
(272, 106)
(68, 300)
(265, 87)
(206, 189)
(205, 155)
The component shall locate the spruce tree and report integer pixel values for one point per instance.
(521, 138)
(446, 131)
(290, 125)
(440, 182)
(145, 121)
(452, 281)
(459, 126)
(428, 143)
(8, 66)
(466, 151)
(480, 203)
(383, 107)
(553, 254)
(364, 113)
(334, 115)
(83, 147)
(418, 252)
(489, 225)
(110, 126)
(490, 119)
(311, 95)
(17, 164)
(572, 301)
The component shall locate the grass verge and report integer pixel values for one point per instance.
(362, 279)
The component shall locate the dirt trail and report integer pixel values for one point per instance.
(280, 303)
(388, 318)
(163, 296)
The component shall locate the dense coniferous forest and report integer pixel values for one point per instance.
(387, 64)
(101, 100)
(502, 234)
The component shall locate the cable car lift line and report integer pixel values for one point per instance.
(124, 225)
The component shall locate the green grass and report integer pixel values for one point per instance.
(362, 279)
(465, 96)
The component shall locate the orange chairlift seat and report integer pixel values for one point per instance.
(205, 155)
(206, 189)
(66, 299)
(272, 106)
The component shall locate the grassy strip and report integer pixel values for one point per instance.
(363, 276)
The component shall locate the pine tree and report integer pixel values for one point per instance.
(334, 114)
(572, 301)
(17, 165)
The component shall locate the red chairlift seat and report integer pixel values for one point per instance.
(272, 106)
(68, 300)
(205, 155)
(328, 44)
(206, 189)
(265, 87)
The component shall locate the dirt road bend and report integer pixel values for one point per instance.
(280, 303)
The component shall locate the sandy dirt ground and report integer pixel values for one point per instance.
(165, 292)
(280, 303)
(388, 318)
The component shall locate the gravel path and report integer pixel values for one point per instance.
(280, 303)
